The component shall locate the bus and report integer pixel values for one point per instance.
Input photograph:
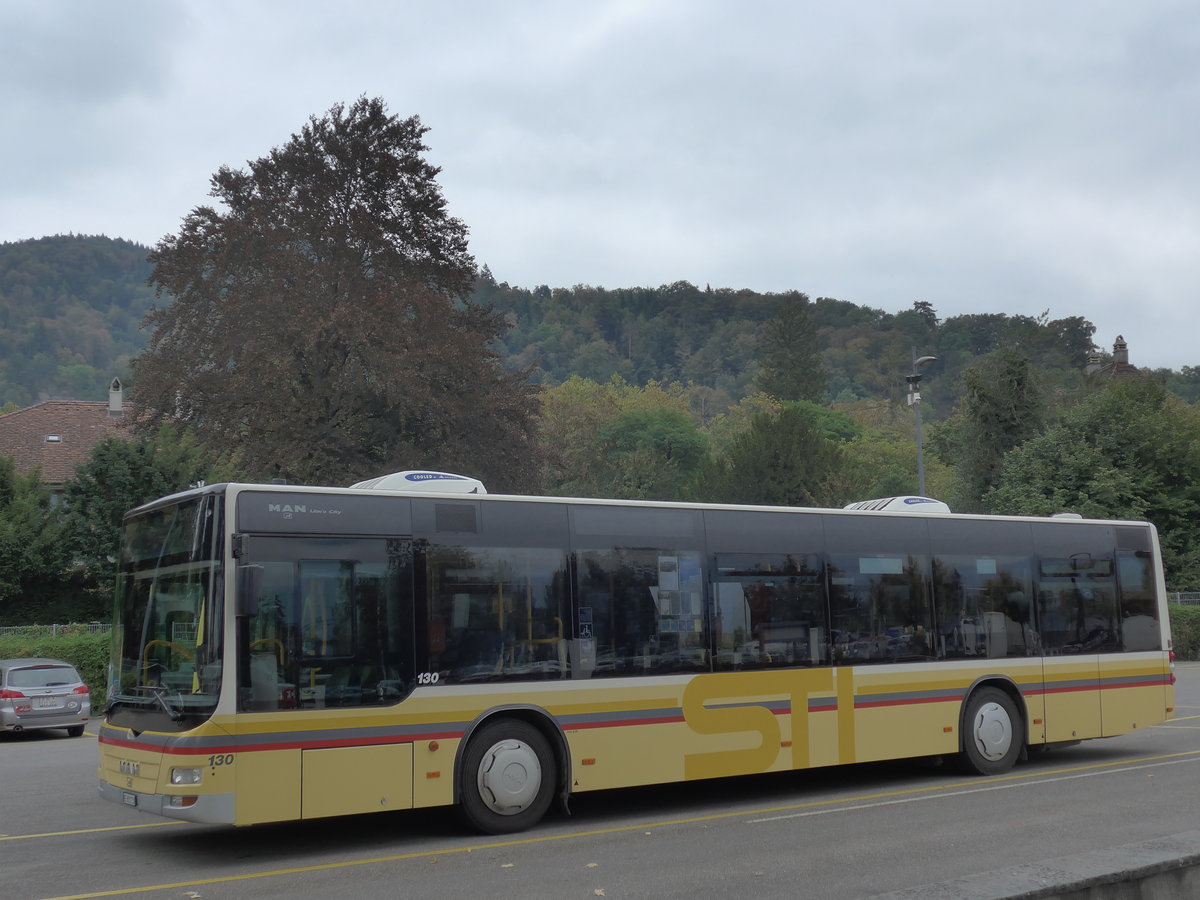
(286, 652)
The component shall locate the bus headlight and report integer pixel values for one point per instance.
(185, 776)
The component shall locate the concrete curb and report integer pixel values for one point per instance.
(1166, 868)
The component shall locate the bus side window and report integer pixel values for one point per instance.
(1139, 601)
(640, 610)
(494, 613)
(983, 607)
(880, 608)
(770, 611)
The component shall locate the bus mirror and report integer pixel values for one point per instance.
(250, 580)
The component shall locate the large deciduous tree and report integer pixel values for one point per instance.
(318, 320)
(1130, 451)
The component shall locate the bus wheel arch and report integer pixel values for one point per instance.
(992, 728)
(510, 766)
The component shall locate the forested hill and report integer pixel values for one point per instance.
(70, 311)
(71, 308)
(680, 332)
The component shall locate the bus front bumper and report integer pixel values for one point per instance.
(217, 809)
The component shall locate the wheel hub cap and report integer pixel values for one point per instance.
(992, 731)
(510, 777)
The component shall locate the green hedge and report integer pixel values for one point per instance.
(1185, 631)
(87, 652)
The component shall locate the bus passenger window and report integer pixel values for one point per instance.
(770, 611)
(880, 608)
(640, 610)
(494, 613)
(983, 606)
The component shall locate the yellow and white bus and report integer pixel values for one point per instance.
(286, 652)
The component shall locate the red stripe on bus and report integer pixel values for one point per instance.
(871, 704)
(213, 749)
(615, 723)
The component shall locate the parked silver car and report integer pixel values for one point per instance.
(42, 693)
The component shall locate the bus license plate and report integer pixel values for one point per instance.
(129, 799)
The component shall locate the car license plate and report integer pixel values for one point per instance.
(128, 798)
(46, 702)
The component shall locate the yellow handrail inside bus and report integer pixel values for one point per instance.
(282, 651)
(161, 643)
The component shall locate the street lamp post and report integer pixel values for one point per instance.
(914, 400)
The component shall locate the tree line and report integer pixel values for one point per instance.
(324, 321)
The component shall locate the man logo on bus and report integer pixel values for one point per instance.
(287, 509)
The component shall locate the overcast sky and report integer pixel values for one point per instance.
(1011, 157)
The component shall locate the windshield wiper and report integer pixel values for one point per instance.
(159, 692)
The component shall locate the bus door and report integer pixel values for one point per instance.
(324, 634)
(1077, 616)
(1135, 684)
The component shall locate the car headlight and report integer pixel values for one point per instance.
(185, 776)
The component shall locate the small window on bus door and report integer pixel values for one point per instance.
(1076, 589)
(330, 625)
(1077, 604)
(1137, 584)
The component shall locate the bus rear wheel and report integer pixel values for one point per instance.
(507, 778)
(993, 732)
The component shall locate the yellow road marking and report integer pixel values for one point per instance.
(25, 837)
(978, 788)
(690, 820)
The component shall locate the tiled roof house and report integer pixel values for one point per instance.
(58, 435)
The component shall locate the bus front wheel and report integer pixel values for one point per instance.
(992, 732)
(507, 777)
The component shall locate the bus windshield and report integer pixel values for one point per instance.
(166, 663)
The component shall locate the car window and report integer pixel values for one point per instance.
(42, 676)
